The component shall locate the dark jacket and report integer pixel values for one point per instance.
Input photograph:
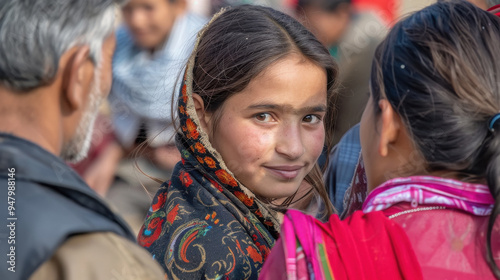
(50, 204)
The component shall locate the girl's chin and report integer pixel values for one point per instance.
(280, 196)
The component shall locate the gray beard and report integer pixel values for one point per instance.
(77, 148)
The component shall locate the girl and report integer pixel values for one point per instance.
(430, 138)
(253, 108)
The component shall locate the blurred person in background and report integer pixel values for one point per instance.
(152, 48)
(55, 70)
(351, 36)
(216, 5)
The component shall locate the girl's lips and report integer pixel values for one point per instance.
(285, 172)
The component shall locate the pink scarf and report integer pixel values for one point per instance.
(364, 246)
(475, 199)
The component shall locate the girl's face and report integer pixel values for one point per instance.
(271, 134)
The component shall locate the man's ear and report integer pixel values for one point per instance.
(203, 116)
(77, 78)
(389, 127)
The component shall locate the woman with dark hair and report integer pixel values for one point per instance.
(430, 138)
(255, 100)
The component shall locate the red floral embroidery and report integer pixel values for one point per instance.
(215, 184)
(214, 214)
(258, 213)
(210, 162)
(239, 246)
(199, 159)
(226, 178)
(263, 249)
(160, 203)
(269, 223)
(185, 179)
(192, 132)
(184, 93)
(151, 233)
(256, 257)
(244, 198)
(200, 148)
(172, 214)
(182, 110)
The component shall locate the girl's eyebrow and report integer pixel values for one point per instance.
(283, 108)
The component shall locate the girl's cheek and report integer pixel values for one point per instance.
(255, 143)
(316, 141)
(249, 148)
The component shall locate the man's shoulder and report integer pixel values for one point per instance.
(45, 217)
(30, 162)
(107, 256)
(48, 203)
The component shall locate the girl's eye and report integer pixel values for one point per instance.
(312, 119)
(264, 117)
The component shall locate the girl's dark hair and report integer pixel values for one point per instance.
(440, 70)
(240, 44)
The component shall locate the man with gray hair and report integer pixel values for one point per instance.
(55, 69)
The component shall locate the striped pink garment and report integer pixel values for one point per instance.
(428, 190)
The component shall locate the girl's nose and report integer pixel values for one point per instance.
(290, 142)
